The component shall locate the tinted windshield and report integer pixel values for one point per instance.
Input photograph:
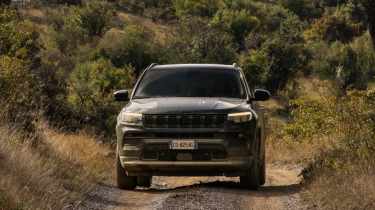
(190, 83)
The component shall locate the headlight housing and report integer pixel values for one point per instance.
(240, 117)
(127, 118)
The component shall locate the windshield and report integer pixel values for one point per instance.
(190, 83)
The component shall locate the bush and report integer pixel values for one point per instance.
(130, 46)
(19, 63)
(203, 8)
(349, 119)
(305, 9)
(76, 25)
(96, 17)
(279, 57)
(19, 96)
(338, 26)
(255, 65)
(345, 128)
(238, 23)
(351, 65)
(197, 42)
(91, 87)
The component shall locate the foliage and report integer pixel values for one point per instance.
(339, 26)
(278, 58)
(238, 23)
(351, 65)
(305, 9)
(130, 46)
(310, 116)
(68, 2)
(203, 8)
(198, 42)
(75, 25)
(19, 62)
(255, 65)
(91, 87)
(95, 17)
(351, 121)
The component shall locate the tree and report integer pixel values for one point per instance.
(91, 86)
(129, 46)
(196, 41)
(238, 23)
(370, 10)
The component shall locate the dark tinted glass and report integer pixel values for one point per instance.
(190, 83)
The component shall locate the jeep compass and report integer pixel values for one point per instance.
(190, 120)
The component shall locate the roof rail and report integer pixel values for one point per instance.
(235, 65)
(151, 65)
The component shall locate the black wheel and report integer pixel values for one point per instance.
(262, 171)
(253, 178)
(251, 181)
(144, 181)
(124, 181)
(262, 168)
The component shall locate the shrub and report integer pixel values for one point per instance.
(76, 25)
(238, 23)
(19, 95)
(338, 26)
(286, 53)
(203, 8)
(130, 46)
(197, 42)
(91, 87)
(305, 9)
(19, 63)
(95, 17)
(349, 119)
(255, 65)
(350, 64)
(310, 116)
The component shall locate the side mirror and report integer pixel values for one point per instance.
(261, 95)
(121, 95)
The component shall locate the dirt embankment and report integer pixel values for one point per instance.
(280, 192)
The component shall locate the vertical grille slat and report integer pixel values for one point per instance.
(184, 120)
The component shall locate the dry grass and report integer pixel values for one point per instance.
(57, 174)
(82, 150)
(350, 188)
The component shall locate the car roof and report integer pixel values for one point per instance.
(195, 66)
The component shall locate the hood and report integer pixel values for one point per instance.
(186, 105)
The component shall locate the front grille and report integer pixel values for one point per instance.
(184, 120)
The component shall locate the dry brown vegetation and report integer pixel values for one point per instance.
(56, 174)
(333, 138)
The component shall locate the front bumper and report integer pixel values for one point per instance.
(187, 168)
(146, 152)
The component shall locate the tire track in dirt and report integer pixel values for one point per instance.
(217, 193)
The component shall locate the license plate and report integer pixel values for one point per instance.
(183, 145)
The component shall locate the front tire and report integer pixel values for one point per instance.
(262, 171)
(252, 180)
(144, 181)
(124, 181)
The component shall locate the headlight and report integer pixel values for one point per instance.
(127, 118)
(240, 117)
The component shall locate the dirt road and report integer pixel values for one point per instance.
(280, 192)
